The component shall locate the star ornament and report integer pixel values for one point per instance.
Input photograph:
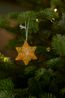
(26, 53)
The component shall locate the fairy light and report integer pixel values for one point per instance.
(48, 49)
(37, 20)
(55, 10)
(53, 19)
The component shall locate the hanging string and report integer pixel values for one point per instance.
(27, 27)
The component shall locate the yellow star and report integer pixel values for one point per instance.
(26, 53)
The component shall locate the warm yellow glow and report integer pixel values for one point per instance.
(3, 58)
(55, 10)
(37, 20)
(6, 59)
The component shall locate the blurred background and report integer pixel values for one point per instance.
(21, 5)
(41, 78)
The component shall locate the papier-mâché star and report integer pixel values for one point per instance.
(26, 53)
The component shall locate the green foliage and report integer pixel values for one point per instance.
(29, 70)
(31, 17)
(55, 63)
(3, 22)
(13, 15)
(49, 14)
(62, 91)
(34, 87)
(45, 77)
(32, 97)
(6, 88)
(39, 73)
(58, 44)
(47, 95)
(6, 84)
(25, 16)
(61, 23)
(22, 93)
(5, 94)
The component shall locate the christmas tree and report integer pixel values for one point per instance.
(32, 60)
